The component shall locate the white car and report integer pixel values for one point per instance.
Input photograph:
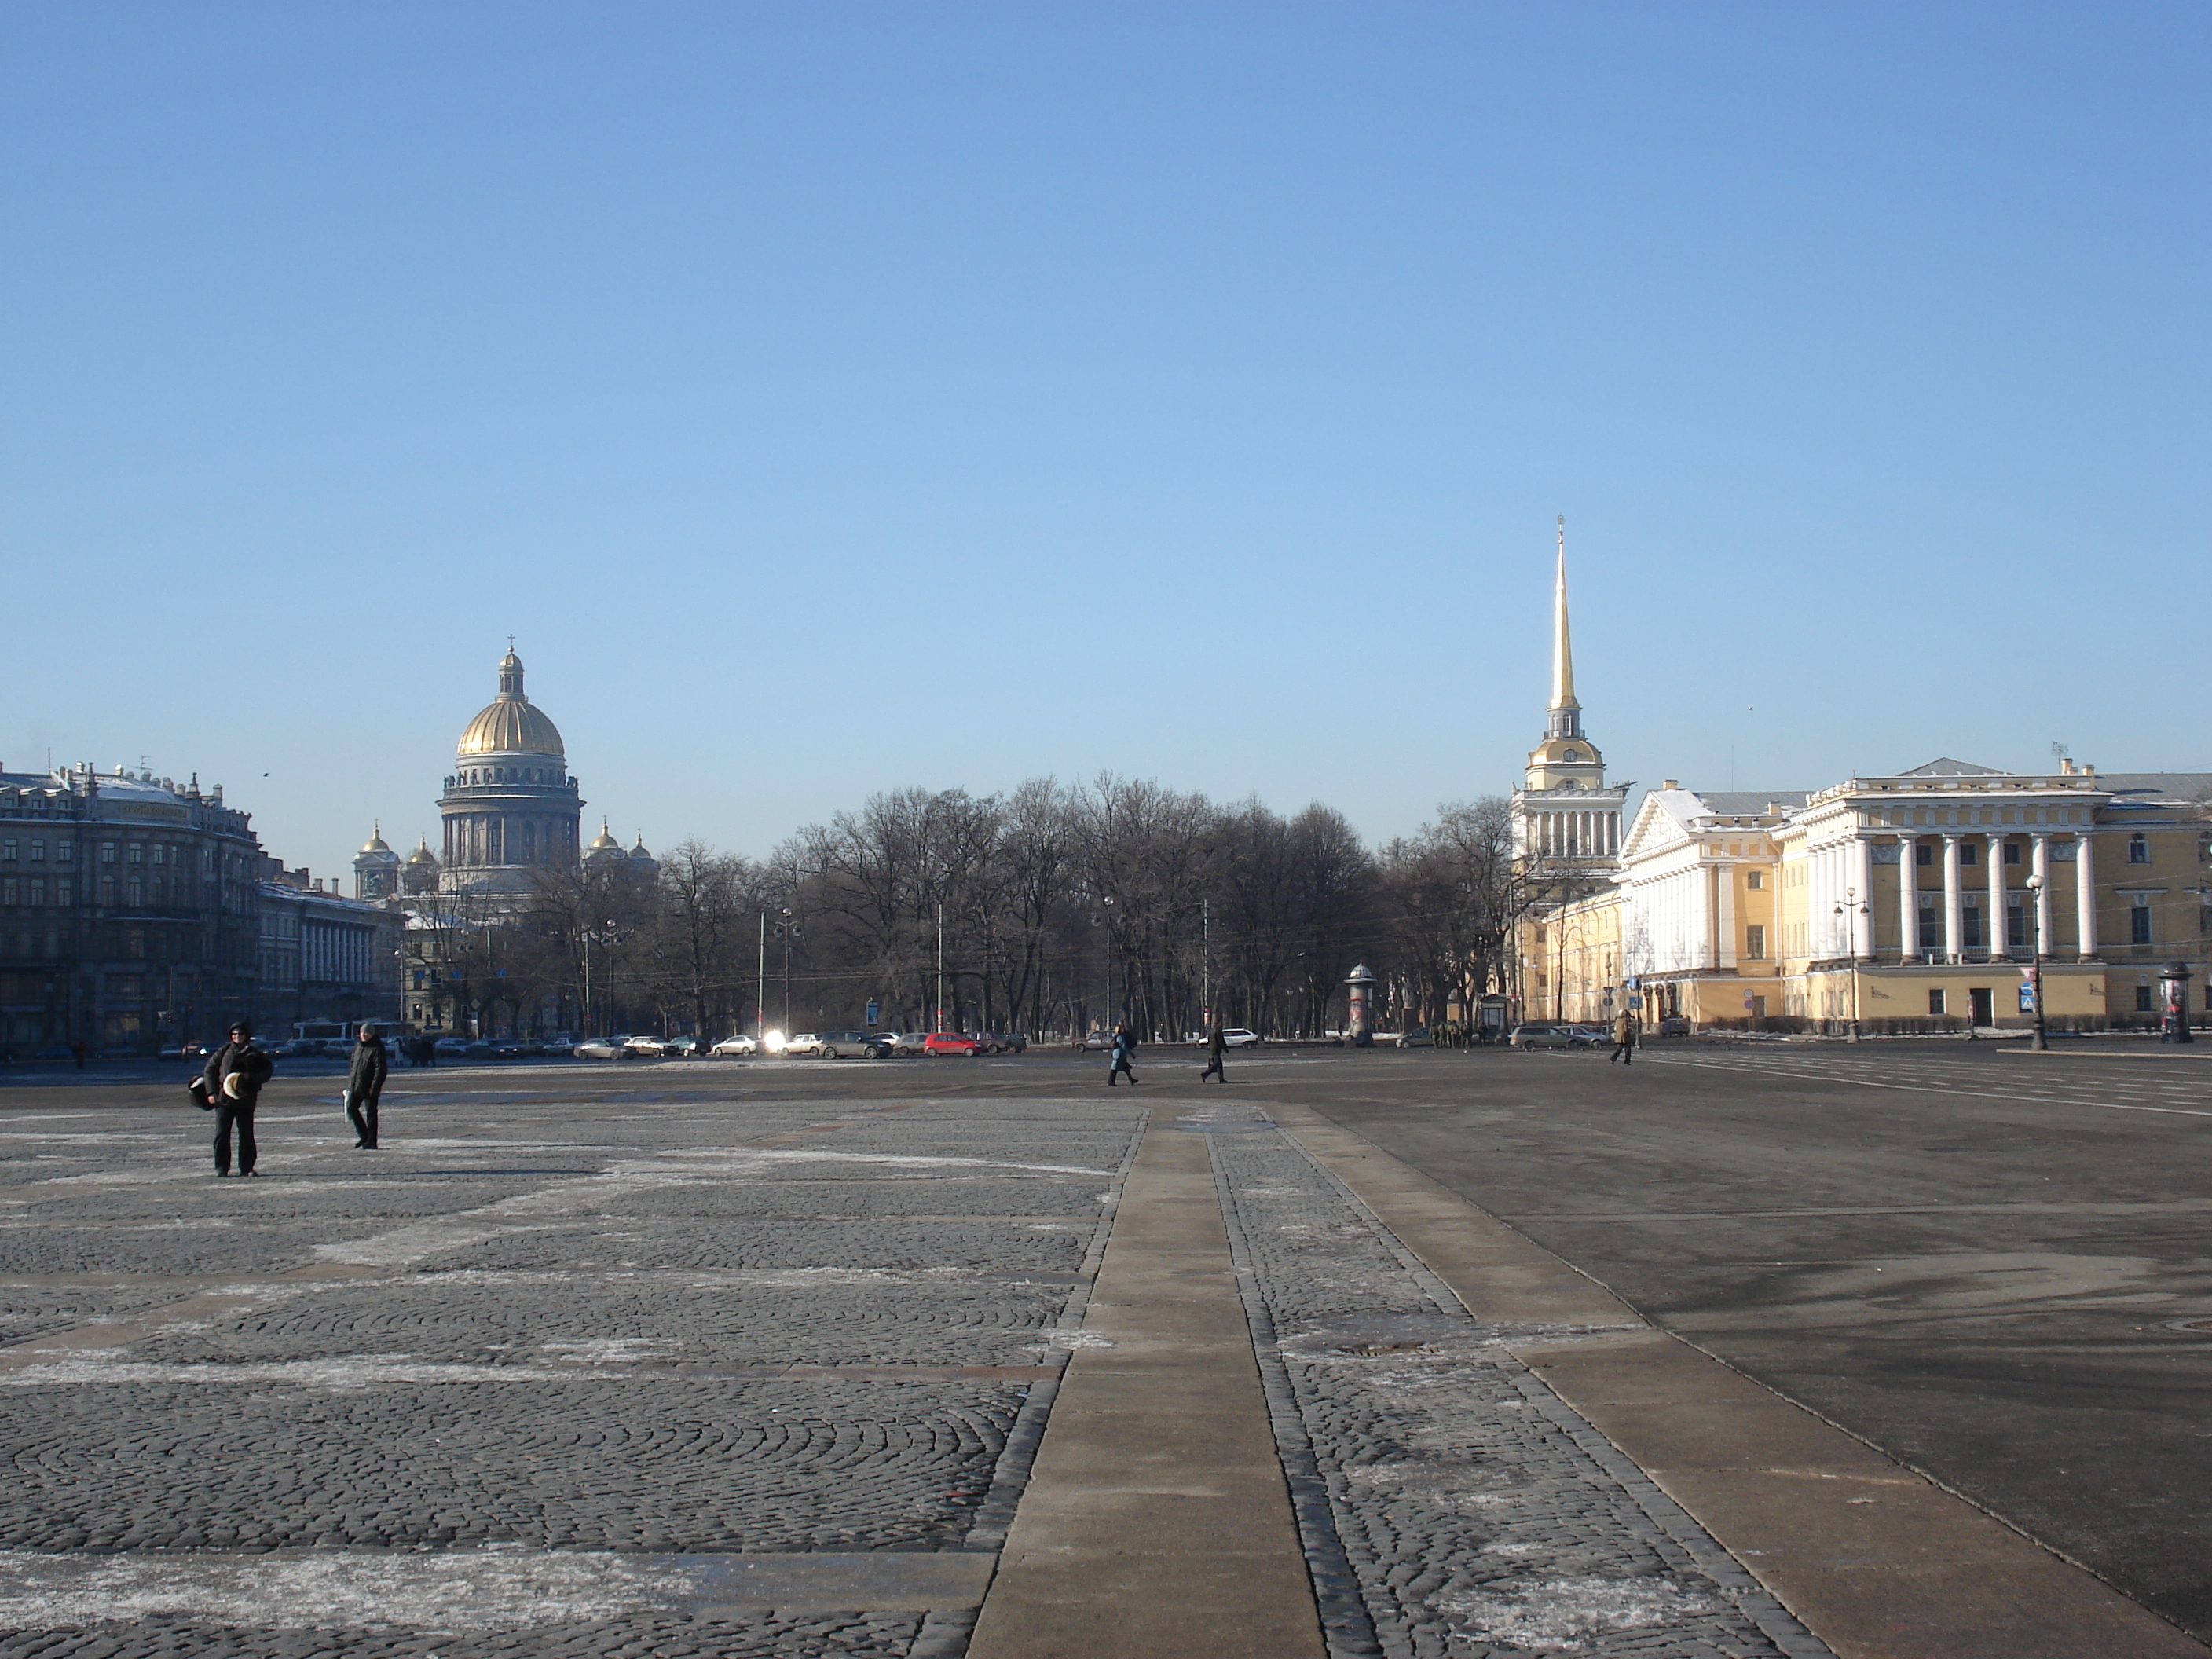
(806, 1043)
(646, 1048)
(600, 1049)
(1237, 1037)
(739, 1044)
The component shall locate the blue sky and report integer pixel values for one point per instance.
(837, 397)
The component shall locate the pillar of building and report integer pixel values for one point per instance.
(2085, 896)
(1995, 927)
(1954, 906)
(1908, 900)
(1861, 907)
(1723, 916)
(2039, 867)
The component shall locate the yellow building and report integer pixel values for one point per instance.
(1915, 902)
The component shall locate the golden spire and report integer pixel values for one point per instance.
(1565, 712)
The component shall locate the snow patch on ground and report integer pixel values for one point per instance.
(487, 1589)
(1555, 1617)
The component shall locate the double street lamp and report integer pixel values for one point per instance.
(2035, 958)
(1848, 912)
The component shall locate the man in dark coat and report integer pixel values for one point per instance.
(233, 1077)
(1217, 1044)
(363, 1085)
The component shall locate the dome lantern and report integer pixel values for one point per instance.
(511, 724)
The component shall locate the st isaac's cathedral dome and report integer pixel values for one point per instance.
(511, 724)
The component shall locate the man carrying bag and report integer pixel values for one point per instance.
(363, 1085)
(233, 1080)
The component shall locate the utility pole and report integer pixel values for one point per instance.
(760, 988)
(1205, 921)
(940, 1025)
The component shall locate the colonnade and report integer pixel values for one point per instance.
(1858, 856)
(1594, 833)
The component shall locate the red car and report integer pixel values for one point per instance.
(950, 1043)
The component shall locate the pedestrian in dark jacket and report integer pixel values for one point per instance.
(233, 1078)
(1217, 1044)
(364, 1084)
(1125, 1049)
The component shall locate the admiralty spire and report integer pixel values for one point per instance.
(1567, 817)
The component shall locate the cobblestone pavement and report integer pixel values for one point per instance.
(650, 1370)
(549, 1374)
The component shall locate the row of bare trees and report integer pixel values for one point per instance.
(1052, 908)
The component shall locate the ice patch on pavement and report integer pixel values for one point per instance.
(1077, 1339)
(609, 1350)
(486, 1589)
(1556, 1616)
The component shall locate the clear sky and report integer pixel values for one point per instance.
(835, 397)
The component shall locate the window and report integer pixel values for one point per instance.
(2015, 927)
(64, 892)
(2139, 924)
(1971, 926)
(1968, 854)
(1755, 943)
(8, 895)
(1924, 853)
(107, 890)
(1754, 879)
(37, 889)
(2143, 1000)
(2012, 852)
(107, 852)
(138, 853)
(64, 850)
(2138, 850)
(138, 892)
(1936, 1002)
(38, 852)
(8, 848)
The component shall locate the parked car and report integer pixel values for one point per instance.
(806, 1043)
(902, 1045)
(681, 1047)
(1417, 1037)
(509, 1050)
(454, 1047)
(646, 1047)
(730, 1047)
(1674, 1025)
(938, 1044)
(194, 1051)
(601, 1048)
(1095, 1040)
(836, 1045)
(1003, 1042)
(1551, 1037)
(1237, 1037)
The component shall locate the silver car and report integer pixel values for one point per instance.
(835, 1045)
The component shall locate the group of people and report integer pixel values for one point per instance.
(231, 1082)
(1125, 1051)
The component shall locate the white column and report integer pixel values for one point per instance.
(1955, 909)
(1908, 900)
(1996, 926)
(1862, 915)
(2085, 893)
(2040, 869)
(1724, 915)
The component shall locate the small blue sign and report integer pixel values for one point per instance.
(873, 1010)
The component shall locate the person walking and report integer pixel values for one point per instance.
(1125, 1048)
(364, 1084)
(1217, 1044)
(233, 1078)
(1624, 1038)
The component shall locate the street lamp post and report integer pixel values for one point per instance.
(1851, 911)
(2035, 960)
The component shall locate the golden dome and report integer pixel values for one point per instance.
(422, 854)
(375, 843)
(511, 724)
(604, 842)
